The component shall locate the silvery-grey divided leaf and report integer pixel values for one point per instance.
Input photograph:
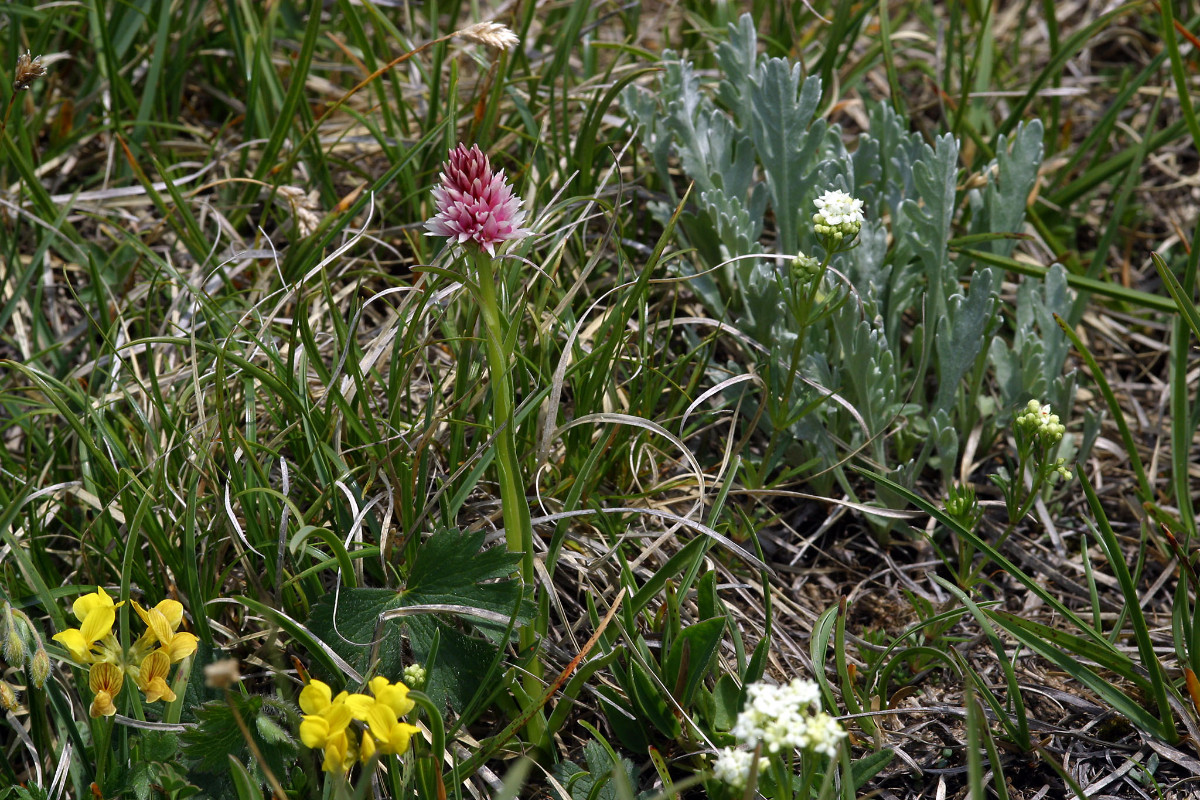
(1003, 200)
(867, 164)
(900, 149)
(1020, 371)
(724, 155)
(737, 229)
(867, 267)
(930, 217)
(1055, 298)
(961, 335)
(869, 375)
(737, 58)
(787, 140)
(764, 302)
(945, 441)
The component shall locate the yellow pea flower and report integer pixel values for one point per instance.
(97, 624)
(152, 677)
(162, 620)
(339, 752)
(326, 723)
(316, 730)
(147, 664)
(393, 695)
(87, 603)
(315, 697)
(391, 735)
(105, 680)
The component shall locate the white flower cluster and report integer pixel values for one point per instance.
(838, 214)
(1039, 421)
(733, 767)
(786, 717)
(822, 734)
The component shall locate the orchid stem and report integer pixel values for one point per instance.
(518, 531)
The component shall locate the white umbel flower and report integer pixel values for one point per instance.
(822, 734)
(785, 717)
(838, 215)
(732, 767)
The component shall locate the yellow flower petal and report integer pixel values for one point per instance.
(390, 736)
(172, 610)
(157, 622)
(73, 640)
(394, 695)
(106, 677)
(152, 677)
(102, 705)
(85, 604)
(141, 612)
(181, 646)
(381, 718)
(338, 717)
(401, 737)
(314, 731)
(315, 697)
(367, 748)
(98, 623)
(359, 705)
(105, 681)
(337, 751)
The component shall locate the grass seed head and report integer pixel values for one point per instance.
(490, 34)
(28, 69)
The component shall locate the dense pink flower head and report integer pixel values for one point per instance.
(474, 204)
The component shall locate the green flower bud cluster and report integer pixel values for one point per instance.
(838, 215)
(805, 268)
(963, 506)
(21, 647)
(1040, 422)
(414, 675)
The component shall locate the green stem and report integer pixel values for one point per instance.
(518, 531)
(102, 734)
(802, 311)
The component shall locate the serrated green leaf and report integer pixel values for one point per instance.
(217, 737)
(141, 780)
(159, 746)
(450, 569)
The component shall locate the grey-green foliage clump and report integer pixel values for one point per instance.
(898, 351)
